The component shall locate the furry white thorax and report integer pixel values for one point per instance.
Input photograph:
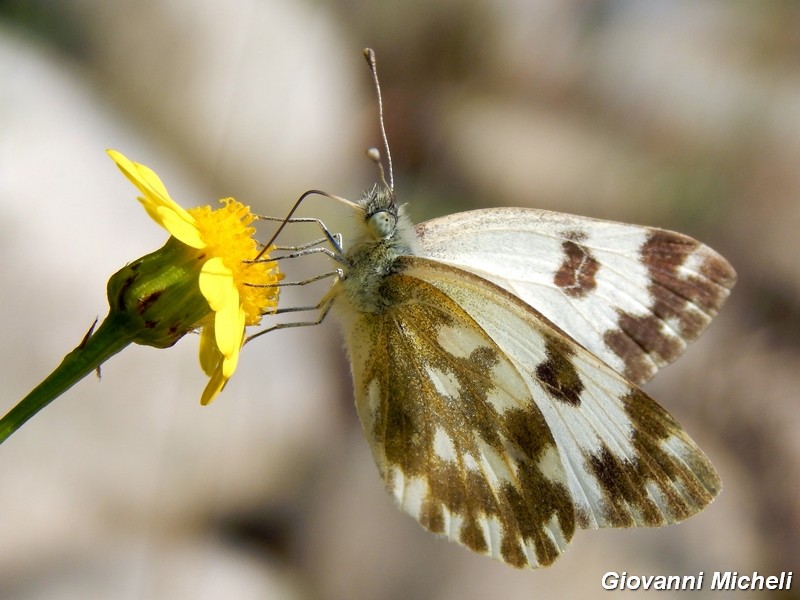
(383, 233)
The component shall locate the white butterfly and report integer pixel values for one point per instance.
(495, 356)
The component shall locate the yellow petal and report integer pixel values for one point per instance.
(237, 339)
(229, 365)
(210, 356)
(152, 210)
(161, 208)
(224, 366)
(139, 175)
(214, 387)
(229, 327)
(217, 285)
(219, 289)
(179, 227)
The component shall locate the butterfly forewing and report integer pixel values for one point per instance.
(634, 296)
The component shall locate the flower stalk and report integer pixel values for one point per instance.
(98, 346)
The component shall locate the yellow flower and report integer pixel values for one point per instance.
(221, 246)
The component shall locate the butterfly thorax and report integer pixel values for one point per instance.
(383, 234)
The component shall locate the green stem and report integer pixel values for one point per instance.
(108, 339)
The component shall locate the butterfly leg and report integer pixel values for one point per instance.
(337, 273)
(324, 307)
(302, 250)
(334, 239)
(306, 245)
(317, 246)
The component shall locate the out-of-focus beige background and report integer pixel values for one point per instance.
(678, 114)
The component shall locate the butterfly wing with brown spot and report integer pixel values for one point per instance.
(634, 296)
(492, 427)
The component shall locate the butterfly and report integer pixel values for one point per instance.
(496, 357)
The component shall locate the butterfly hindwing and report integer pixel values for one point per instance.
(634, 296)
(492, 427)
(458, 440)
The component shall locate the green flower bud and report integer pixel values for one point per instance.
(157, 297)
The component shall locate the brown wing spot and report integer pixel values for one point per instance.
(558, 375)
(431, 516)
(682, 304)
(524, 428)
(582, 519)
(656, 487)
(471, 535)
(577, 275)
(530, 511)
(623, 490)
(688, 482)
(533, 503)
(511, 551)
(642, 344)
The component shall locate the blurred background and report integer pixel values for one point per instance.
(677, 114)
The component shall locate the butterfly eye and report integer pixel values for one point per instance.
(382, 224)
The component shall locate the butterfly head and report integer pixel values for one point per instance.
(380, 212)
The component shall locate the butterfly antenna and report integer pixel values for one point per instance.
(372, 153)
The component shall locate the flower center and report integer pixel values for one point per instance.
(228, 235)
